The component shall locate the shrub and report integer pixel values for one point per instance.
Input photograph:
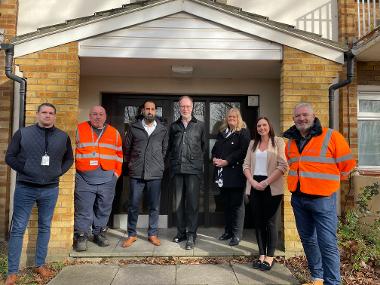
(359, 232)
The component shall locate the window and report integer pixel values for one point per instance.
(369, 126)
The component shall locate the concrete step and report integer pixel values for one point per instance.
(207, 245)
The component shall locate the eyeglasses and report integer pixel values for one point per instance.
(185, 107)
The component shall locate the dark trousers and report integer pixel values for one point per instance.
(92, 205)
(153, 189)
(265, 209)
(187, 187)
(234, 210)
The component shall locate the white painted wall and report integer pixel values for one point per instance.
(268, 89)
(319, 16)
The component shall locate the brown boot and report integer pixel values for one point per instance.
(154, 240)
(11, 279)
(44, 272)
(129, 241)
(314, 282)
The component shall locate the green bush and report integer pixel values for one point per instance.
(359, 231)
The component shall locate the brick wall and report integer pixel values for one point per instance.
(53, 76)
(8, 20)
(366, 73)
(304, 78)
(348, 19)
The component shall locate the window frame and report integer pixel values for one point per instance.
(367, 92)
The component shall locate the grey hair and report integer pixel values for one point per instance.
(303, 105)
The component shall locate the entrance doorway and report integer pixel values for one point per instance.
(122, 110)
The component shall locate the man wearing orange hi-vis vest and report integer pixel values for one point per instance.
(98, 161)
(319, 158)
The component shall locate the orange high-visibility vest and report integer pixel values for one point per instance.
(324, 161)
(91, 152)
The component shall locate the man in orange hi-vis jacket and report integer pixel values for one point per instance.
(319, 158)
(98, 161)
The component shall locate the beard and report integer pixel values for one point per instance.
(149, 118)
(304, 127)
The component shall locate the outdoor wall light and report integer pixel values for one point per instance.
(182, 69)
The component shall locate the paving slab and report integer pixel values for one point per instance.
(219, 274)
(278, 275)
(143, 274)
(86, 274)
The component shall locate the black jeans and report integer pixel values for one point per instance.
(265, 209)
(234, 210)
(187, 202)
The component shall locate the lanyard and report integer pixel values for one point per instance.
(46, 140)
(97, 141)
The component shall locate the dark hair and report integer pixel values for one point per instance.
(150, 101)
(256, 135)
(46, 105)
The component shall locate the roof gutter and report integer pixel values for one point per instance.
(9, 53)
(349, 59)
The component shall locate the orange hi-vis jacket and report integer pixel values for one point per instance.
(92, 152)
(325, 160)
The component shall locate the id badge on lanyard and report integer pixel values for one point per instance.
(45, 160)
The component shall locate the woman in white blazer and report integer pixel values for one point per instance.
(264, 167)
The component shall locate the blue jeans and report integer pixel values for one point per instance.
(24, 199)
(316, 221)
(153, 189)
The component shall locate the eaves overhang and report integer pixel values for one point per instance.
(140, 12)
(368, 47)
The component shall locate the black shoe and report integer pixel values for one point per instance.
(80, 244)
(178, 238)
(190, 243)
(101, 239)
(234, 241)
(225, 236)
(265, 266)
(256, 264)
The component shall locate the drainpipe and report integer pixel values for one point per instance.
(349, 59)
(9, 52)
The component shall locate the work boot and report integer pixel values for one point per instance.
(314, 282)
(179, 237)
(11, 279)
(44, 272)
(190, 242)
(154, 240)
(225, 236)
(129, 241)
(80, 243)
(101, 239)
(234, 241)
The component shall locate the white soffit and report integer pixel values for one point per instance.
(180, 36)
(163, 9)
(369, 51)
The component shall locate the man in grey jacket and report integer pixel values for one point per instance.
(145, 149)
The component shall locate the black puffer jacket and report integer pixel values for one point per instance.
(233, 149)
(145, 154)
(186, 147)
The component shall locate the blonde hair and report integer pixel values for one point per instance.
(240, 123)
